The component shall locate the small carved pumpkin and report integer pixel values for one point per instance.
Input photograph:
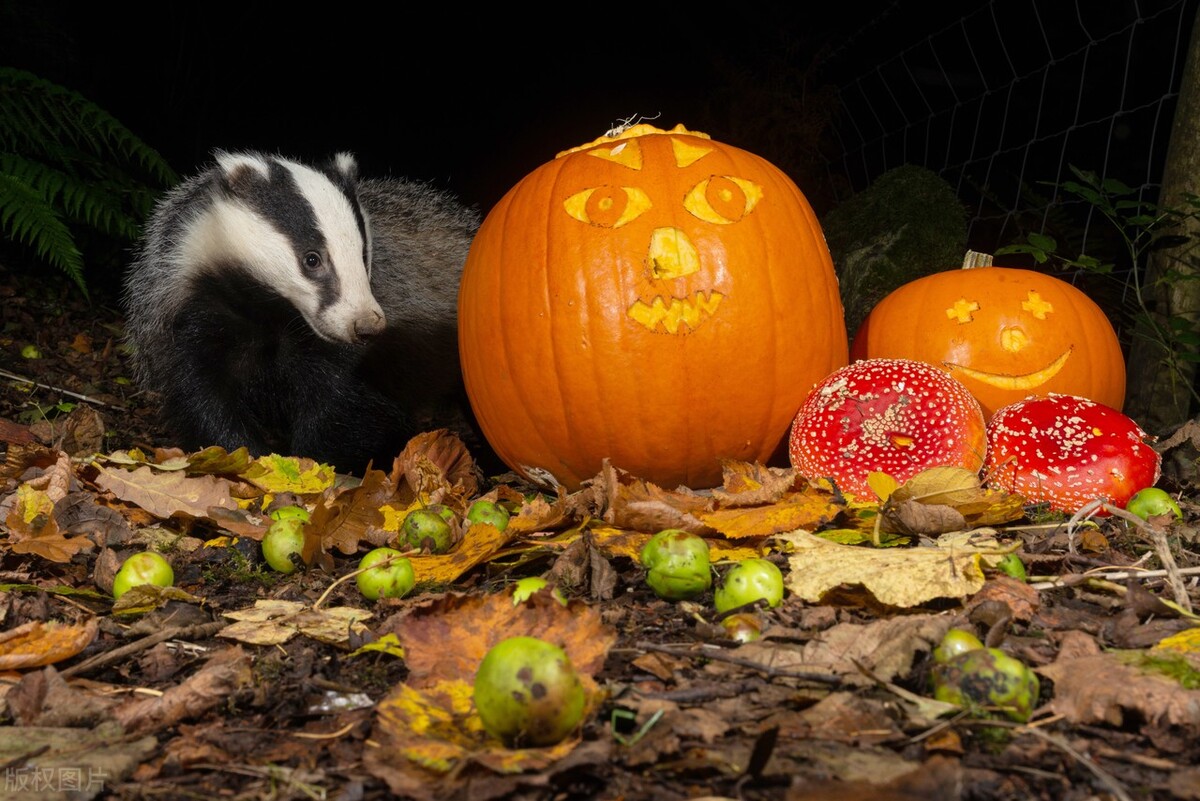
(1004, 332)
(656, 298)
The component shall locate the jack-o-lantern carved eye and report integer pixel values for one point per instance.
(608, 206)
(963, 310)
(722, 199)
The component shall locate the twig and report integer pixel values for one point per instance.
(198, 632)
(1103, 572)
(84, 398)
(1157, 537)
(718, 656)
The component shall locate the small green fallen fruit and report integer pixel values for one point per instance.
(531, 584)
(742, 627)
(955, 642)
(484, 511)
(392, 580)
(428, 529)
(748, 581)
(284, 538)
(987, 682)
(146, 567)
(1011, 565)
(528, 693)
(31, 352)
(677, 564)
(1151, 501)
(290, 512)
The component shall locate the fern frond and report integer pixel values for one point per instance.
(37, 117)
(64, 162)
(25, 217)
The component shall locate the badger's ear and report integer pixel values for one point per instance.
(346, 166)
(240, 169)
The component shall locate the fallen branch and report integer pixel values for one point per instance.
(84, 398)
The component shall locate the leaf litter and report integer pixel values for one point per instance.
(246, 683)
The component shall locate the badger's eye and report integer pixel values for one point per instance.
(312, 261)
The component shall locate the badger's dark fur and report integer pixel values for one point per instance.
(249, 310)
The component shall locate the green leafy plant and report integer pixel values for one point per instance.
(1143, 228)
(67, 166)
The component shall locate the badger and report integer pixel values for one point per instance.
(295, 308)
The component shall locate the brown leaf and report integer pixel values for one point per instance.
(746, 484)
(341, 520)
(915, 517)
(224, 673)
(634, 503)
(36, 644)
(475, 623)
(167, 494)
(436, 460)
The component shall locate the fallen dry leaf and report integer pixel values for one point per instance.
(167, 494)
(902, 577)
(1111, 689)
(37, 644)
(275, 622)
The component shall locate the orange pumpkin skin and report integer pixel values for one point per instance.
(659, 299)
(1006, 333)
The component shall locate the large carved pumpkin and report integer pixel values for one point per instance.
(657, 298)
(1006, 333)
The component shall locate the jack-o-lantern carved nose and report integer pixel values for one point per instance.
(1013, 338)
(672, 254)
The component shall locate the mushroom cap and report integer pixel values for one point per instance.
(897, 416)
(1065, 451)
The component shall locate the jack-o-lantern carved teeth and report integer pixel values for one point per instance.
(675, 313)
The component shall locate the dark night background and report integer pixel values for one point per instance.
(469, 99)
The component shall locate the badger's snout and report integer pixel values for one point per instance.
(368, 326)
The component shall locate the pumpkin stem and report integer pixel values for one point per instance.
(975, 259)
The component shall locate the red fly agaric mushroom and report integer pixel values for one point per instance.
(896, 416)
(1066, 451)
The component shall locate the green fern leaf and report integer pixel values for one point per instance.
(26, 218)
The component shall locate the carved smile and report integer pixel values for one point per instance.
(674, 312)
(1015, 382)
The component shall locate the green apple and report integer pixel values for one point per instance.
(677, 564)
(528, 693)
(747, 581)
(284, 538)
(428, 529)
(986, 682)
(146, 567)
(955, 642)
(1151, 501)
(485, 511)
(392, 580)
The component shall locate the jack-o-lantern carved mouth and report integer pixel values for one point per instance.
(675, 312)
(1014, 382)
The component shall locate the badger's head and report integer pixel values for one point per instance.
(297, 230)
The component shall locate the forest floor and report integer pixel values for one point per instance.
(242, 682)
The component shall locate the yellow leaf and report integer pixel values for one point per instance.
(1185, 642)
(903, 577)
(277, 473)
(387, 644)
(882, 484)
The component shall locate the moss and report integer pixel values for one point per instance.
(907, 224)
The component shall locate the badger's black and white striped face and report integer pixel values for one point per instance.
(299, 231)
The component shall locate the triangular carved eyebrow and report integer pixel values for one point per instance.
(687, 152)
(627, 154)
